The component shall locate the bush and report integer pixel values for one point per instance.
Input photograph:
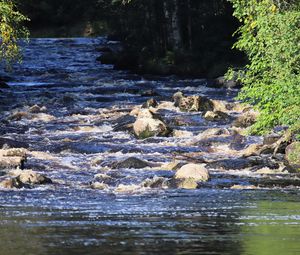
(270, 36)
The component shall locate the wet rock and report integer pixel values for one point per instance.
(135, 111)
(99, 186)
(194, 171)
(192, 103)
(104, 178)
(219, 105)
(211, 132)
(150, 103)
(124, 123)
(13, 183)
(37, 109)
(185, 183)
(174, 165)
(11, 162)
(238, 142)
(9, 143)
(17, 116)
(131, 162)
(251, 150)
(271, 138)
(244, 187)
(246, 119)
(222, 82)
(292, 155)
(30, 177)
(155, 183)
(216, 116)
(232, 164)
(148, 125)
(276, 181)
(15, 152)
(182, 133)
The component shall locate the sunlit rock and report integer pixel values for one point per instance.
(216, 116)
(193, 171)
(292, 155)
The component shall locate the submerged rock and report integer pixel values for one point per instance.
(9, 143)
(193, 171)
(99, 186)
(292, 155)
(132, 162)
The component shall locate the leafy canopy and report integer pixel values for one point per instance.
(270, 36)
(11, 30)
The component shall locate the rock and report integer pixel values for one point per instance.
(131, 163)
(194, 171)
(99, 186)
(17, 116)
(135, 111)
(192, 103)
(187, 183)
(37, 109)
(11, 162)
(271, 138)
(31, 177)
(246, 119)
(219, 105)
(174, 165)
(148, 125)
(15, 152)
(156, 182)
(292, 155)
(103, 178)
(124, 123)
(216, 116)
(150, 103)
(222, 82)
(243, 187)
(108, 58)
(13, 183)
(211, 132)
(251, 150)
(182, 133)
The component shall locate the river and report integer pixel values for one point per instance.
(68, 217)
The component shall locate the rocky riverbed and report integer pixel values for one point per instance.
(78, 130)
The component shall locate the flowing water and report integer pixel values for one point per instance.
(75, 138)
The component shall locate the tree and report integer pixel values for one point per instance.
(11, 30)
(270, 36)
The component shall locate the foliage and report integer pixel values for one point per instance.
(11, 30)
(270, 36)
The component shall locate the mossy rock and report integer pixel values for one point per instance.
(292, 154)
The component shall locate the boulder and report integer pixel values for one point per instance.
(186, 183)
(31, 177)
(99, 186)
(216, 116)
(131, 162)
(11, 162)
(292, 155)
(193, 171)
(13, 183)
(192, 103)
(150, 103)
(148, 125)
(174, 165)
(246, 119)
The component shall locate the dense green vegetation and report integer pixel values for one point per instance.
(11, 30)
(270, 37)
